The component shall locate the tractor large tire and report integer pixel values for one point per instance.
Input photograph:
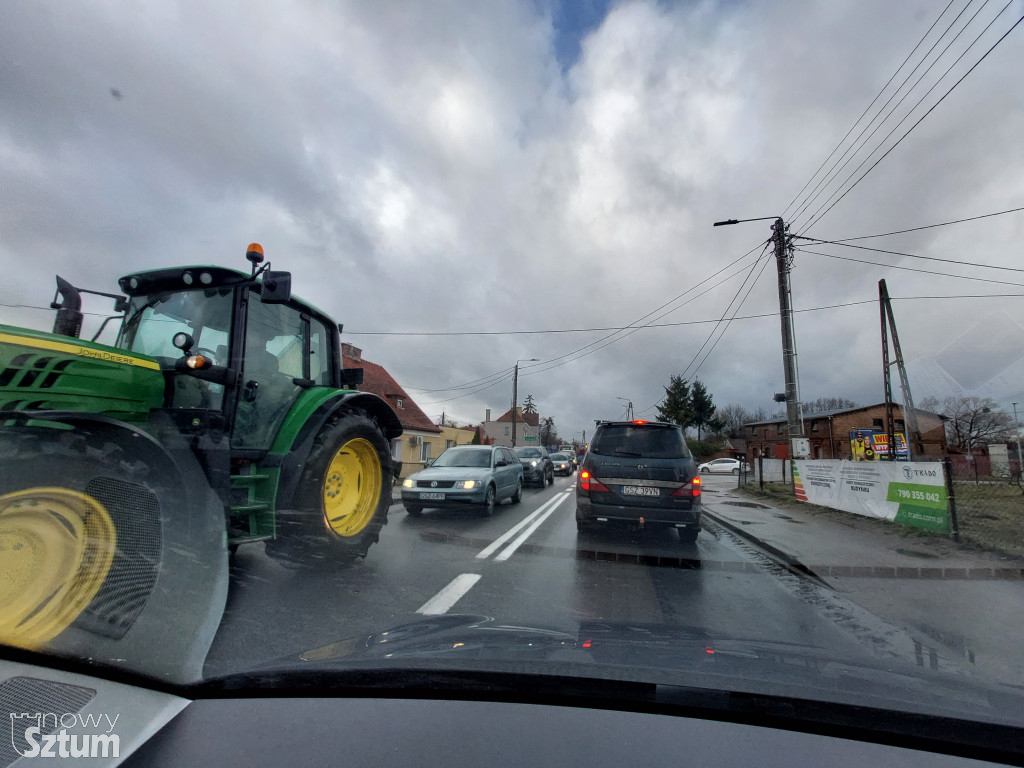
(111, 547)
(343, 497)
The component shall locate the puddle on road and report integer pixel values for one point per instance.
(749, 504)
(915, 553)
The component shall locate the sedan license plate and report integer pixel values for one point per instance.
(432, 496)
(639, 490)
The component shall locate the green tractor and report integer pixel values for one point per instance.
(221, 415)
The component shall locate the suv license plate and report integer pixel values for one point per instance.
(432, 496)
(639, 490)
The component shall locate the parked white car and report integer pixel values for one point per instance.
(722, 467)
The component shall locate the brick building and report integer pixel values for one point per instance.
(829, 432)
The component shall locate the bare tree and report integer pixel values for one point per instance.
(828, 404)
(734, 417)
(972, 422)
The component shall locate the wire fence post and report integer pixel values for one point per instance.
(947, 468)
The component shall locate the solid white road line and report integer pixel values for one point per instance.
(490, 548)
(447, 597)
(511, 548)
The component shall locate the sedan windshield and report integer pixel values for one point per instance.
(464, 457)
(529, 453)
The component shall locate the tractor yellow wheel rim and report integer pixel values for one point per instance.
(352, 487)
(56, 549)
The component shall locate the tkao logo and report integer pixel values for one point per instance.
(29, 740)
(908, 473)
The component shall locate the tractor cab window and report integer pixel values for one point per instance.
(152, 321)
(319, 353)
(273, 359)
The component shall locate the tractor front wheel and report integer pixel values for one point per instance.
(343, 497)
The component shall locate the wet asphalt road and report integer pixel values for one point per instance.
(539, 575)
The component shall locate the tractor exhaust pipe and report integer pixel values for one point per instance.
(69, 314)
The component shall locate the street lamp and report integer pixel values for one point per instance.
(629, 407)
(515, 386)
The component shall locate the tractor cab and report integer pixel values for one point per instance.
(236, 350)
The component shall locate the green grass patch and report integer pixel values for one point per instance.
(991, 515)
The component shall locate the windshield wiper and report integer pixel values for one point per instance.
(632, 454)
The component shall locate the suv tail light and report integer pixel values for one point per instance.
(590, 483)
(691, 489)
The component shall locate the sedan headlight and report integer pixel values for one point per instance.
(467, 484)
(533, 463)
(408, 483)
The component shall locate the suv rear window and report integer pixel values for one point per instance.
(642, 442)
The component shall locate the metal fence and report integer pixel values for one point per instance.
(763, 470)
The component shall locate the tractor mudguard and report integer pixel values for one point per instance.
(164, 595)
(292, 462)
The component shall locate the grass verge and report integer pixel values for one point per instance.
(991, 515)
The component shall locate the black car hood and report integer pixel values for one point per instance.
(664, 655)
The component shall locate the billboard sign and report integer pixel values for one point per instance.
(872, 445)
(909, 494)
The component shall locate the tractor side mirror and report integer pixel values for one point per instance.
(277, 287)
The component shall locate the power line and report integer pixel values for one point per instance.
(720, 320)
(632, 328)
(918, 229)
(474, 392)
(909, 255)
(834, 171)
(727, 308)
(738, 307)
(466, 385)
(912, 269)
(816, 217)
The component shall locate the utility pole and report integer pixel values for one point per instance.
(1016, 424)
(515, 384)
(515, 396)
(913, 431)
(784, 263)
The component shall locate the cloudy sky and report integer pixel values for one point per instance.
(453, 167)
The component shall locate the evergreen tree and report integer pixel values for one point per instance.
(703, 408)
(677, 407)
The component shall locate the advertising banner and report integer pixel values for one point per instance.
(872, 445)
(906, 493)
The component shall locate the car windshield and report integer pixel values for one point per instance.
(643, 442)
(464, 457)
(622, 341)
(529, 453)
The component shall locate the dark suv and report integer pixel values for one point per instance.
(640, 472)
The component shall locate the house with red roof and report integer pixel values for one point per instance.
(421, 439)
(499, 431)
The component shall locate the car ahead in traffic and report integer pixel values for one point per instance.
(536, 463)
(563, 463)
(723, 467)
(465, 475)
(639, 472)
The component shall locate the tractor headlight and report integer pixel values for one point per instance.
(407, 483)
